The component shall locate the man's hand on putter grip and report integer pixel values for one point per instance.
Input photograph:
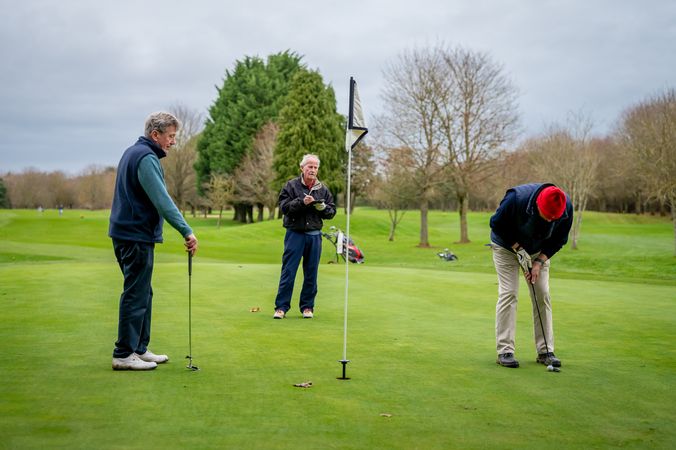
(534, 273)
(524, 259)
(191, 244)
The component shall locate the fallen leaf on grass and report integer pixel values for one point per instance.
(255, 309)
(305, 384)
(385, 415)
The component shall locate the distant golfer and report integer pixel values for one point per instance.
(140, 203)
(532, 221)
(305, 202)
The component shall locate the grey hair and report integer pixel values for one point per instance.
(160, 121)
(308, 156)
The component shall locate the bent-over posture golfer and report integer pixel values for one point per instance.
(305, 202)
(531, 223)
(140, 204)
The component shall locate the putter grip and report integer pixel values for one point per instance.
(189, 263)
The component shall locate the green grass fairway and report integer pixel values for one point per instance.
(421, 342)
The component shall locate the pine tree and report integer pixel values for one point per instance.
(309, 123)
(251, 96)
(4, 199)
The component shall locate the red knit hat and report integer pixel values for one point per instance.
(551, 202)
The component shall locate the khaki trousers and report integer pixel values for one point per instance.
(509, 272)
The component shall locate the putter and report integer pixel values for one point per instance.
(537, 307)
(189, 357)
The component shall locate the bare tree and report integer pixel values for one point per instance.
(179, 174)
(395, 189)
(566, 157)
(95, 186)
(255, 176)
(648, 130)
(410, 93)
(179, 171)
(512, 168)
(63, 189)
(92, 189)
(192, 122)
(26, 189)
(456, 110)
(477, 116)
(363, 173)
(220, 192)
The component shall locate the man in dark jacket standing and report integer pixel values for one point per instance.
(140, 204)
(305, 202)
(529, 227)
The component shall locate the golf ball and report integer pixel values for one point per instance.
(550, 368)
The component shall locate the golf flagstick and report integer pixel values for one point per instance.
(354, 132)
(189, 357)
(344, 361)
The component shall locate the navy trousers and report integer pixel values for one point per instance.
(299, 245)
(136, 302)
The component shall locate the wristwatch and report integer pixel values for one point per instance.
(540, 260)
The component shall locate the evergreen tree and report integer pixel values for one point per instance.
(309, 123)
(251, 96)
(4, 199)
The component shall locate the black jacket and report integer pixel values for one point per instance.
(517, 220)
(301, 217)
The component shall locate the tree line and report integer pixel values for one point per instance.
(450, 138)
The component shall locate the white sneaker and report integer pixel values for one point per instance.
(132, 362)
(307, 313)
(149, 356)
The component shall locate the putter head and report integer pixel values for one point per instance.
(190, 366)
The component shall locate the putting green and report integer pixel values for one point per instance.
(420, 341)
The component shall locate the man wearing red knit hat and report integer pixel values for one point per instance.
(529, 227)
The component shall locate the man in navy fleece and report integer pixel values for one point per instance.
(140, 205)
(531, 224)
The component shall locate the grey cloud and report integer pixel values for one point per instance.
(78, 78)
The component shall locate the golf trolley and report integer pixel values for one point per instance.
(339, 240)
(447, 255)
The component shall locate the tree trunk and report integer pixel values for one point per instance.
(424, 238)
(393, 224)
(463, 206)
(220, 215)
(672, 200)
(248, 217)
(260, 212)
(574, 233)
(639, 204)
(241, 212)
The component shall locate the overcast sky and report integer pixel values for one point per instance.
(78, 78)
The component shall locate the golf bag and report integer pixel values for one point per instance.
(447, 255)
(343, 247)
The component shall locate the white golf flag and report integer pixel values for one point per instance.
(356, 126)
